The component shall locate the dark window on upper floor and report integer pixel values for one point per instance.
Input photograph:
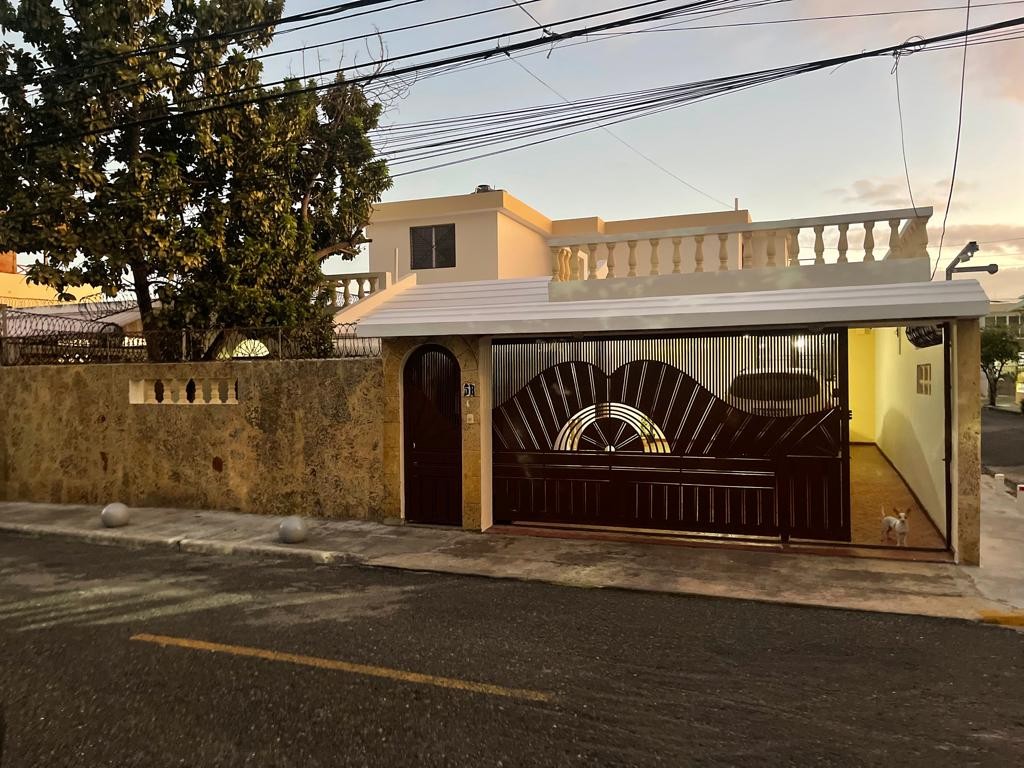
(432, 247)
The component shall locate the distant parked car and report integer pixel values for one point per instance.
(778, 391)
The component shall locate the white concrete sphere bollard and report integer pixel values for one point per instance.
(115, 515)
(292, 530)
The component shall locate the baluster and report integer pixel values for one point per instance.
(770, 249)
(677, 256)
(921, 241)
(632, 258)
(564, 260)
(794, 249)
(723, 252)
(844, 244)
(346, 292)
(655, 262)
(372, 280)
(611, 259)
(592, 261)
(698, 253)
(577, 263)
(748, 250)
(894, 239)
(869, 241)
(819, 244)
(556, 264)
(360, 288)
(206, 390)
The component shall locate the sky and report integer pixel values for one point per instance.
(819, 144)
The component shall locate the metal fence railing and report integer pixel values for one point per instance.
(35, 339)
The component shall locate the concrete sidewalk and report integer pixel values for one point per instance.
(993, 592)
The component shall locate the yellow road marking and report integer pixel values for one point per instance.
(344, 666)
(1003, 619)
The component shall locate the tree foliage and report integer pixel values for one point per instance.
(216, 219)
(998, 349)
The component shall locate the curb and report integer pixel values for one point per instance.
(181, 544)
(1009, 620)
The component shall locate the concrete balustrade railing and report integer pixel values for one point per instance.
(772, 244)
(348, 289)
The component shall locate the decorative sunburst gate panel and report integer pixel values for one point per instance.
(735, 434)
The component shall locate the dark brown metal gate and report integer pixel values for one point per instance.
(743, 434)
(432, 421)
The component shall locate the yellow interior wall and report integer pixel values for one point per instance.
(861, 357)
(910, 427)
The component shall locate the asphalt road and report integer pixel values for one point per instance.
(579, 677)
(1002, 439)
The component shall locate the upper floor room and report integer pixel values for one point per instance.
(491, 235)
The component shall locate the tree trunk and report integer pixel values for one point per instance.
(993, 388)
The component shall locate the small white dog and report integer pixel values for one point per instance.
(897, 524)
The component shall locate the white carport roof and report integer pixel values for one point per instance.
(522, 306)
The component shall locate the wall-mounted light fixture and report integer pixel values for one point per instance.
(965, 255)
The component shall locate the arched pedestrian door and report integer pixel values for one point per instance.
(432, 419)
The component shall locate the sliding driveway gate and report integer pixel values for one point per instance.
(742, 434)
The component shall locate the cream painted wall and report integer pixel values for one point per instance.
(523, 251)
(476, 246)
(910, 427)
(861, 357)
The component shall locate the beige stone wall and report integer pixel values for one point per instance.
(304, 438)
(475, 426)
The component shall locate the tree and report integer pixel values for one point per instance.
(215, 219)
(998, 349)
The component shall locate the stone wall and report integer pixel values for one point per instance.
(303, 438)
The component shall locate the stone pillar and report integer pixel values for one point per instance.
(466, 350)
(485, 394)
(967, 442)
(393, 353)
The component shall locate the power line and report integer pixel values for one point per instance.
(223, 34)
(458, 135)
(522, 6)
(956, 152)
(903, 142)
(622, 141)
(339, 41)
(831, 17)
(667, 28)
(615, 136)
(409, 69)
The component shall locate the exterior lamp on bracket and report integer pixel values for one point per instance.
(965, 255)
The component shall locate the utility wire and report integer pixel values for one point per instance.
(831, 17)
(622, 141)
(340, 41)
(221, 35)
(614, 135)
(660, 100)
(408, 69)
(956, 152)
(899, 109)
(522, 6)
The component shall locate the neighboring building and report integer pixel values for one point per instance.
(1006, 314)
(16, 291)
(705, 374)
